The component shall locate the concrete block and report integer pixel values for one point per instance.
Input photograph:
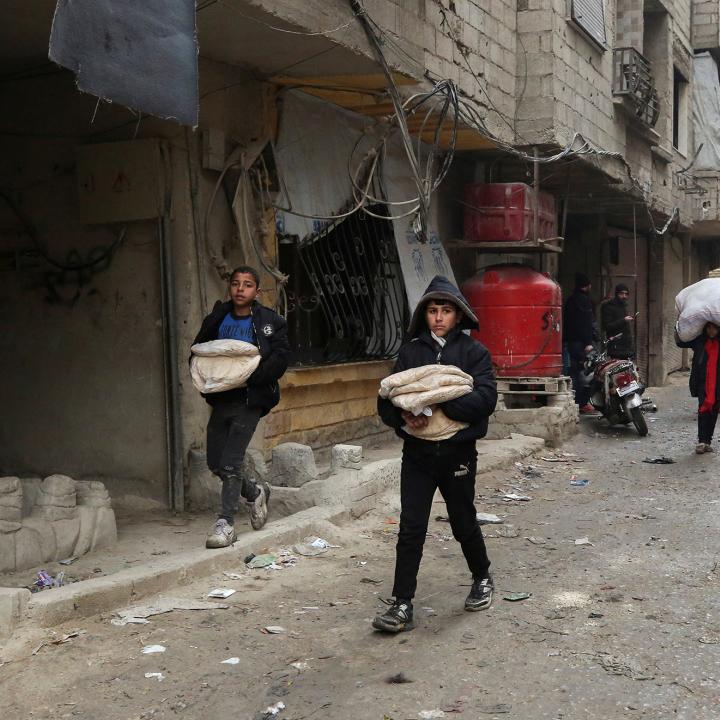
(48, 544)
(66, 536)
(293, 465)
(58, 485)
(254, 466)
(13, 606)
(105, 529)
(87, 517)
(7, 551)
(286, 501)
(11, 501)
(346, 456)
(92, 493)
(28, 548)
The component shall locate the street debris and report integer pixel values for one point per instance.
(510, 497)
(68, 561)
(370, 581)
(583, 541)
(709, 640)
(662, 460)
(579, 482)
(430, 714)
(157, 675)
(46, 580)
(67, 637)
(272, 711)
(617, 666)
(260, 561)
(428, 611)
(221, 593)
(398, 679)
(595, 615)
(535, 540)
(499, 709)
(300, 666)
(488, 519)
(231, 661)
(138, 614)
(505, 531)
(233, 576)
(273, 630)
(152, 649)
(517, 596)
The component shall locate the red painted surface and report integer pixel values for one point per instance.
(503, 212)
(520, 314)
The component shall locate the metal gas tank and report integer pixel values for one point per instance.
(520, 315)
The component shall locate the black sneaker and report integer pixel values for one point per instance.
(397, 618)
(480, 595)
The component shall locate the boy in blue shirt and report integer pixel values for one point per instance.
(235, 413)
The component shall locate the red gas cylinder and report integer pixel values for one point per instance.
(520, 315)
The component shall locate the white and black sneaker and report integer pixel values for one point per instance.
(258, 508)
(480, 595)
(222, 534)
(397, 618)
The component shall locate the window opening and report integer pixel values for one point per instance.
(346, 295)
(680, 111)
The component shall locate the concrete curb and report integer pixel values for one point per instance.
(347, 494)
(92, 597)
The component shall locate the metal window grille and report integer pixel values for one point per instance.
(346, 295)
(633, 80)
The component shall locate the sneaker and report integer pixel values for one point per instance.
(221, 535)
(709, 448)
(397, 618)
(480, 595)
(258, 508)
(587, 409)
(700, 448)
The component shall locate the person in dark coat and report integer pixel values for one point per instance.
(235, 413)
(705, 382)
(616, 320)
(579, 333)
(437, 337)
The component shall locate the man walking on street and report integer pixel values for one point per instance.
(235, 413)
(437, 337)
(579, 332)
(616, 320)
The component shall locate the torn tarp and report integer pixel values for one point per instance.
(139, 53)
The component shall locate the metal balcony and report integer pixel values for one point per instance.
(633, 81)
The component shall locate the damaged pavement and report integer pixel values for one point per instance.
(584, 614)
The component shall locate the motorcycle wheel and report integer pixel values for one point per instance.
(639, 421)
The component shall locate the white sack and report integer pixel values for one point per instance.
(221, 365)
(416, 389)
(696, 305)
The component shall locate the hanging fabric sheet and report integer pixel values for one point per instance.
(706, 112)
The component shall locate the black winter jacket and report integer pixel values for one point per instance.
(460, 350)
(270, 328)
(579, 319)
(613, 314)
(698, 370)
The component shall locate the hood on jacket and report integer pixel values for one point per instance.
(440, 288)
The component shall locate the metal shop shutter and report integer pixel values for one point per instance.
(589, 15)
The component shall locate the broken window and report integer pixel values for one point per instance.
(346, 296)
(589, 16)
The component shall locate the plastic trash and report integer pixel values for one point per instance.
(152, 649)
(231, 661)
(44, 579)
(68, 561)
(301, 666)
(488, 519)
(273, 710)
(138, 614)
(221, 593)
(583, 541)
(273, 630)
(430, 714)
(261, 561)
(579, 482)
(157, 675)
(509, 497)
(233, 576)
(517, 596)
(398, 679)
(662, 460)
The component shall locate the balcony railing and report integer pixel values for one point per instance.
(633, 81)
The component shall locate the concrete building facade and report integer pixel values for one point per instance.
(102, 296)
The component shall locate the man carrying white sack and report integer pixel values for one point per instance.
(448, 464)
(236, 411)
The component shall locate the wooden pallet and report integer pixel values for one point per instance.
(533, 385)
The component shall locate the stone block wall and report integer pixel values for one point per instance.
(705, 24)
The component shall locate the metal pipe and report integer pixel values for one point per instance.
(176, 485)
(536, 185)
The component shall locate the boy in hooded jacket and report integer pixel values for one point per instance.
(437, 337)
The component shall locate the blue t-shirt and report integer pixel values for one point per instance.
(237, 328)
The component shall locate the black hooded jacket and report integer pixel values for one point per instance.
(270, 328)
(460, 350)
(613, 314)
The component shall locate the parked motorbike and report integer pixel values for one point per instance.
(615, 388)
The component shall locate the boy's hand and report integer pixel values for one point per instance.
(416, 422)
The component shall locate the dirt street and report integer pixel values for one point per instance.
(621, 625)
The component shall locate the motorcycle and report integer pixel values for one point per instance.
(615, 388)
